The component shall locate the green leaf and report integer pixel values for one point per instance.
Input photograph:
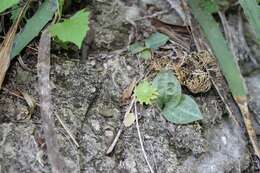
(145, 92)
(15, 12)
(156, 40)
(145, 54)
(186, 111)
(33, 26)
(4, 4)
(168, 87)
(136, 47)
(252, 12)
(210, 5)
(72, 30)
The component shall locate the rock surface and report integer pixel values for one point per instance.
(87, 98)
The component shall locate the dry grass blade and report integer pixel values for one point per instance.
(243, 106)
(6, 46)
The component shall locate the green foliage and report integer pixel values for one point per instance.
(72, 30)
(156, 40)
(220, 48)
(252, 12)
(177, 108)
(136, 47)
(145, 92)
(5, 4)
(15, 12)
(168, 87)
(185, 112)
(61, 3)
(145, 54)
(143, 50)
(33, 26)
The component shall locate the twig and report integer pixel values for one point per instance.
(140, 139)
(152, 15)
(113, 144)
(67, 130)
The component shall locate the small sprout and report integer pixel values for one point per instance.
(145, 92)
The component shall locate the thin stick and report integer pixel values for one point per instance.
(140, 139)
(67, 130)
(113, 144)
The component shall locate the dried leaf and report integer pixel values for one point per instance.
(129, 119)
(6, 47)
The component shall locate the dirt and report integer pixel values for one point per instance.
(87, 97)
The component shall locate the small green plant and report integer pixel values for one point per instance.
(145, 92)
(165, 90)
(72, 30)
(144, 49)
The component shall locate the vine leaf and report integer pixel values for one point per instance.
(168, 87)
(156, 40)
(136, 47)
(145, 92)
(185, 112)
(72, 30)
(4, 4)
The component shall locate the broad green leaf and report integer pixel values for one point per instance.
(4, 4)
(72, 30)
(34, 25)
(136, 47)
(145, 54)
(145, 92)
(186, 111)
(168, 87)
(156, 40)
